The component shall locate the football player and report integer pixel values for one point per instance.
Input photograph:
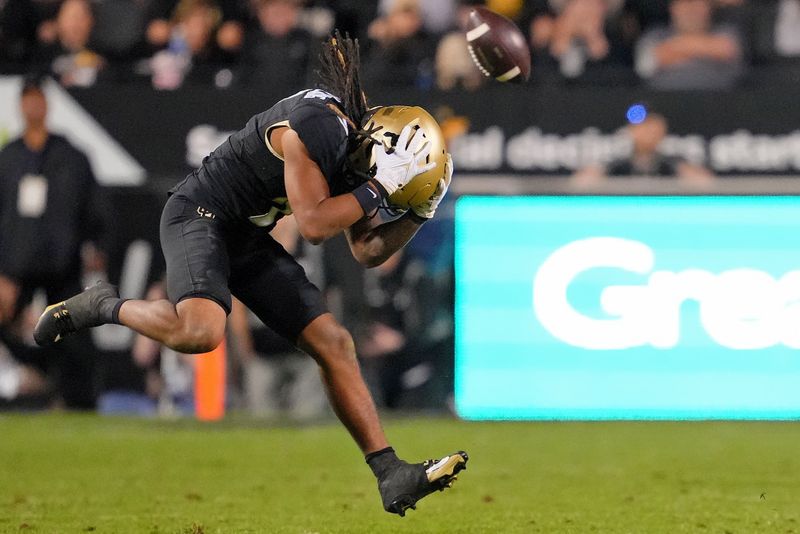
(299, 156)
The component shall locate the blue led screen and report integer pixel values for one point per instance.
(628, 307)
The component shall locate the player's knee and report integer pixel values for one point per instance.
(338, 345)
(198, 337)
(200, 326)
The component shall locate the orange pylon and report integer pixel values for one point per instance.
(209, 384)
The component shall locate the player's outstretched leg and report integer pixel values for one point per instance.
(94, 307)
(402, 484)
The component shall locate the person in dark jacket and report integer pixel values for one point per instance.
(277, 45)
(49, 207)
(646, 158)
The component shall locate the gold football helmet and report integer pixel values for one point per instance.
(383, 125)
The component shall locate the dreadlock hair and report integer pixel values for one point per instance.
(339, 73)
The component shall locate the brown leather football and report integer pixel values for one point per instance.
(497, 46)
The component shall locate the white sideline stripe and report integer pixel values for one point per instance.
(508, 75)
(474, 33)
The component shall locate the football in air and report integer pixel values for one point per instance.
(497, 46)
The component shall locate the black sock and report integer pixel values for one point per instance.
(115, 310)
(382, 461)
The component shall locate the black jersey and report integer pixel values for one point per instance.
(243, 177)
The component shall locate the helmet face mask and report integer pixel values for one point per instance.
(383, 125)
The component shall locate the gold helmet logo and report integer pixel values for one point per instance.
(383, 125)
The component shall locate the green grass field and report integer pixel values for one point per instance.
(69, 473)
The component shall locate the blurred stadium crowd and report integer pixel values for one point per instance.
(401, 313)
(668, 44)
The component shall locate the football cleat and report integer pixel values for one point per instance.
(403, 487)
(93, 307)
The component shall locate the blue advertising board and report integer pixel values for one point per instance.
(628, 307)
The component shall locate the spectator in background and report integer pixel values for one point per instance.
(159, 26)
(69, 56)
(277, 50)
(691, 53)
(161, 17)
(646, 160)
(580, 38)
(454, 66)
(402, 51)
(50, 206)
(230, 34)
(437, 15)
(192, 54)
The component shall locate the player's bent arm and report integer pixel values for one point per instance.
(318, 214)
(372, 245)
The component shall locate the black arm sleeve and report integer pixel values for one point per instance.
(323, 133)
